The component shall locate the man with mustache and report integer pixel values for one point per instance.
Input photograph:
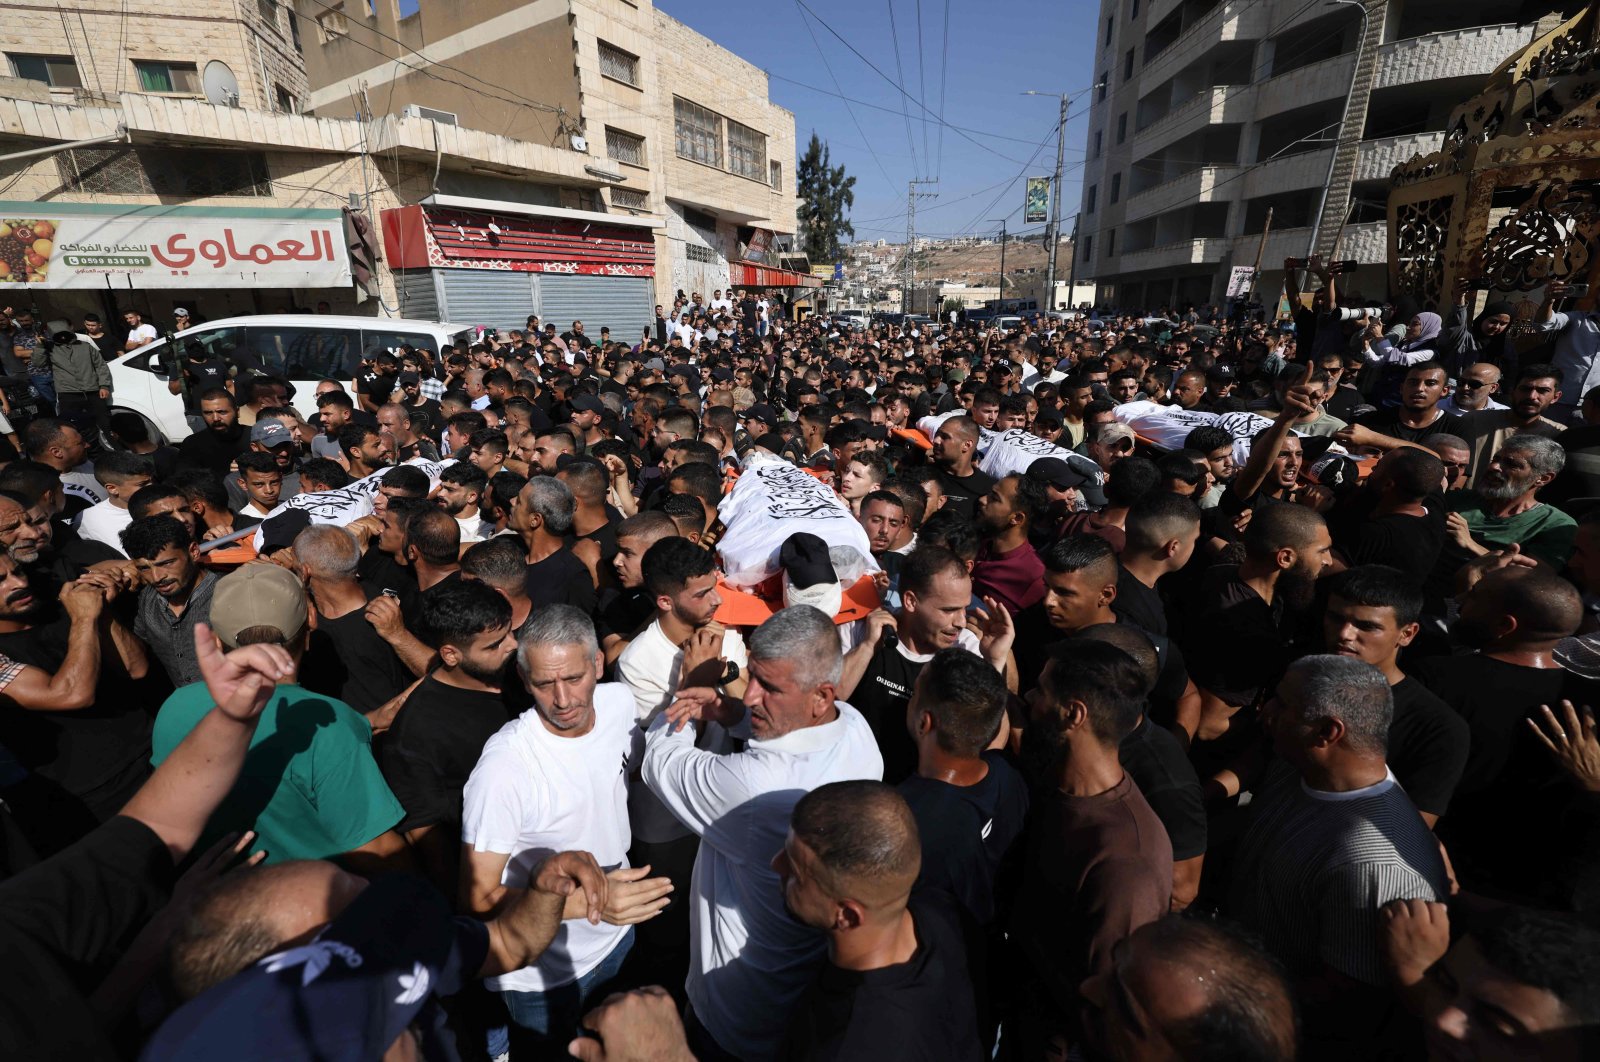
(1502, 508)
(176, 592)
(223, 439)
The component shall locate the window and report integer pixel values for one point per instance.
(1109, 25)
(1099, 136)
(1088, 248)
(1127, 65)
(331, 26)
(1133, 8)
(57, 71)
(628, 199)
(390, 340)
(619, 65)
(287, 104)
(696, 253)
(698, 132)
(222, 343)
(1105, 79)
(1088, 203)
(126, 170)
(176, 78)
(1116, 187)
(624, 147)
(777, 175)
(1122, 127)
(1111, 242)
(268, 10)
(747, 151)
(294, 31)
(297, 353)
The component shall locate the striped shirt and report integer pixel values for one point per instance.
(1315, 867)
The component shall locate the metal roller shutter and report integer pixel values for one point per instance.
(498, 298)
(623, 304)
(418, 299)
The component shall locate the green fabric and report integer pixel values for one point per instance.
(1544, 532)
(310, 787)
(155, 77)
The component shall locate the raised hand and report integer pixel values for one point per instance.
(1570, 737)
(240, 682)
(84, 600)
(995, 631)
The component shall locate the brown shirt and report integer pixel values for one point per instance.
(1097, 868)
(1486, 430)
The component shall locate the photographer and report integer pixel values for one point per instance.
(1577, 344)
(81, 377)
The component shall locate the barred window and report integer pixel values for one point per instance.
(777, 174)
(698, 132)
(616, 63)
(747, 151)
(624, 147)
(629, 199)
(125, 170)
(696, 253)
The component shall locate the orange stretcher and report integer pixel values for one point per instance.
(742, 608)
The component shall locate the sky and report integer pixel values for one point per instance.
(997, 49)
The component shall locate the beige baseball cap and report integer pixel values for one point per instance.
(257, 595)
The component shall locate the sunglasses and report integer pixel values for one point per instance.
(1474, 384)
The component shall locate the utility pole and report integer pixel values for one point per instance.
(1055, 209)
(908, 266)
(999, 305)
(1072, 266)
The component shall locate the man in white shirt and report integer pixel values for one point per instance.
(682, 647)
(461, 486)
(750, 959)
(139, 333)
(120, 473)
(557, 776)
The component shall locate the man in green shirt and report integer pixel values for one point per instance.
(310, 787)
(1502, 509)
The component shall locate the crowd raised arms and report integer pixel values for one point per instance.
(1113, 685)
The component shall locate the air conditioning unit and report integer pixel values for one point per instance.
(416, 110)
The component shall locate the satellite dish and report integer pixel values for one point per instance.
(222, 88)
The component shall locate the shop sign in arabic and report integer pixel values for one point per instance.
(194, 252)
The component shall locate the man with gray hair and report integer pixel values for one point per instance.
(542, 516)
(1502, 507)
(1332, 839)
(750, 959)
(556, 777)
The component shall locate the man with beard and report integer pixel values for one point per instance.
(338, 412)
(955, 452)
(1007, 569)
(555, 778)
(881, 671)
(176, 593)
(1272, 474)
(1503, 511)
(441, 728)
(86, 753)
(1416, 418)
(224, 438)
(1098, 864)
(1538, 388)
(461, 488)
(396, 420)
(1502, 829)
(683, 646)
(1237, 633)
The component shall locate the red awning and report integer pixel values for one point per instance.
(754, 275)
(417, 237)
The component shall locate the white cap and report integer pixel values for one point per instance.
(180, 312)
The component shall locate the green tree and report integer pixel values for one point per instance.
(826, 196)
(950, 306)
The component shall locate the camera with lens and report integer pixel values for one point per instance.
(1360, 313)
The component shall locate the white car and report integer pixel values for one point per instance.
(301, 348)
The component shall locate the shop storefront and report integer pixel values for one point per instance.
(67, 259)
(482, 262)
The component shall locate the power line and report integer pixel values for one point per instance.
(944, 69)
(922, 82)
(894, 34)
(829, 68)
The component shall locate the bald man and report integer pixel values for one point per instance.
(896, 983)
(955, 452)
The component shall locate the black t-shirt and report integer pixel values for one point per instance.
(379, 571)
(1155, 759)
(1409, 543)
(377, 386)
(62, 924)
(968, 832)
(1233, 641)
(212, 450)
(435, 412)
(89, 759)
(622, 612)
(561, 579)
(1139, 604)
(349, 659)
(962, 493)
(1387, 422)
(429, 752)
(1428, 745)
(202, 376)
(1344, 402)
(918, 1009)
(881, 697)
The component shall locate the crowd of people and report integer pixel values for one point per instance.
(1273, 744)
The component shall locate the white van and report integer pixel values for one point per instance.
(301, 348)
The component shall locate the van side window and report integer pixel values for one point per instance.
(223, 343)
(296, 353)
(390, 340)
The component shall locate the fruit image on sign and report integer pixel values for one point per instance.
(25, 247)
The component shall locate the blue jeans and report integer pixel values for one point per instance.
(550, 1018)
(46, 388)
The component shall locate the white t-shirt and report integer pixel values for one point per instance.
(145, 333)
(474, 528)
(651, 667)
(103, 522)
(80, 483)
(533, 794)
